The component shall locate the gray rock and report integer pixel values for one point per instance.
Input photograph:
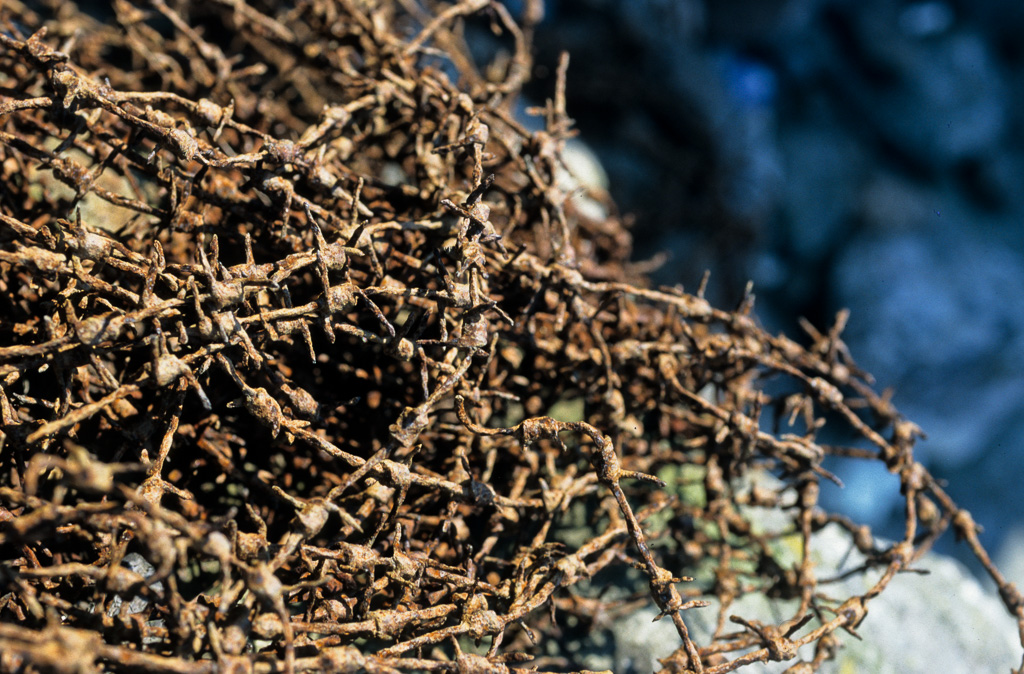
(941, 622)
(1011, 556)
(138, 604)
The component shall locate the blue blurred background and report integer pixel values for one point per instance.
(865, 154)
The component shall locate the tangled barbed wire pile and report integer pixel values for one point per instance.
(311, 352)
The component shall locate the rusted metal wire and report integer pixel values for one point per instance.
(308, 356)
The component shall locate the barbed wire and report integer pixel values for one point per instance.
(310, 354)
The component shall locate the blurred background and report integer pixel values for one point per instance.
(866, 154)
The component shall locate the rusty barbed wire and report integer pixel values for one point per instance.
(310, 355)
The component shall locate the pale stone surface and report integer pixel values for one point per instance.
(941, 622)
